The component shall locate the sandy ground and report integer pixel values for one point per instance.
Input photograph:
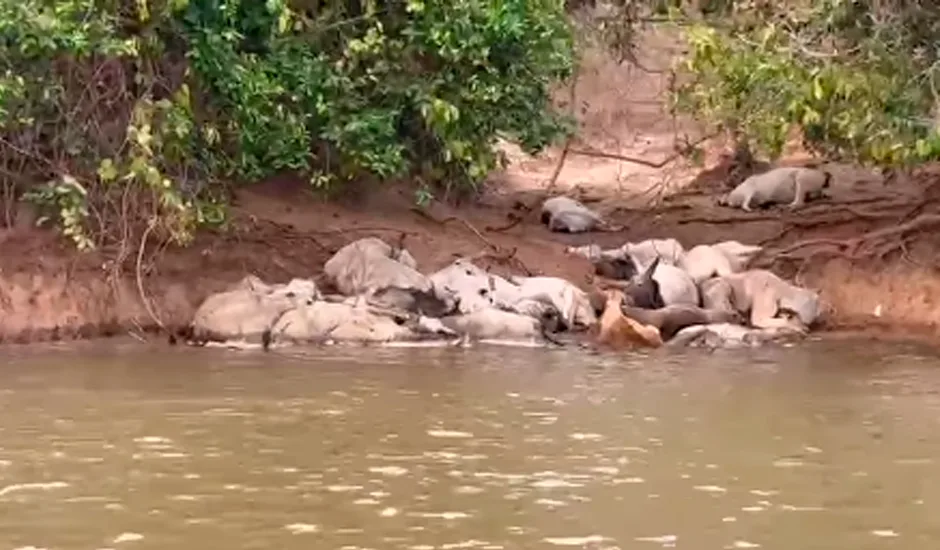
(280, 229)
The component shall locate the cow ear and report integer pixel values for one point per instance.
(648, 274)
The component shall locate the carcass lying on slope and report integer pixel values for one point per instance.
(709, 286)
(386, 300)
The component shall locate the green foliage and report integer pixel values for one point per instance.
(152, 106)
(422, 86)
(68, 115)
(69, 200)
(857, 82)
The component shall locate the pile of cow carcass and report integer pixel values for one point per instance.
(683, 298)
(703, 296)
(383, 298)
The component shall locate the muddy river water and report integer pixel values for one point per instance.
(829, 446)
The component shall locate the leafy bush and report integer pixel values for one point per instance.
(138, 113)
(856, 82)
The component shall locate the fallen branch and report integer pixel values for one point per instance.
(498, 251)
(515, 220)
(425, 214)
(659, 187)
(553, 180)
(681, 152)
(503, 258)
(625, 158)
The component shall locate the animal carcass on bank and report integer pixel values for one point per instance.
(763, 296)
(370, 264)
(247, 310)
(729, 335)
(476, 289)
(789, 185)
(572, 303)
(566, 215)
(353, 321)
(496, 325)
(372, 268)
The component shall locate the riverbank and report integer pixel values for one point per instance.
(279, 230)
(623, 157)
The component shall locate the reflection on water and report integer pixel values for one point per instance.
(833, 446)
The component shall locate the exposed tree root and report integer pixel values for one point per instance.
(873, 246)
(138, 271)
(515, 219)
(827, 218)
(808, 216)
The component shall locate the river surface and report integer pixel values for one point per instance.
(829, 446)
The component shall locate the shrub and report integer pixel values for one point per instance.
(856, 80)
(138, 113)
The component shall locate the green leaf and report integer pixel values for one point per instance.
(107, 171)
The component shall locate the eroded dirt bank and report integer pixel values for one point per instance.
(281, 231)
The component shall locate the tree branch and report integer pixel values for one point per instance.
(635, 160)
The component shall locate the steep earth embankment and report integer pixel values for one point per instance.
(280, 230)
